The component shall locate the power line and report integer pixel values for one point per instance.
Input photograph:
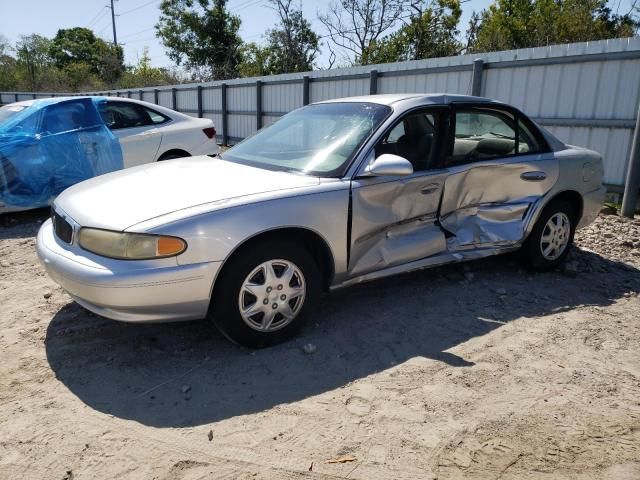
(142, 40)
(129, 35)
(139, 7)
(97, 17)
(255, 3)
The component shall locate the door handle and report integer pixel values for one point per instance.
(429, 189)
(536, 176)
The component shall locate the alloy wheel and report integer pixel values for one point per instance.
(272, 295)
(555, 236)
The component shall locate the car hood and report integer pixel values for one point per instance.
(121, 199)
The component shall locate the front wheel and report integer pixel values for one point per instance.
(263, 294)
(548, 244)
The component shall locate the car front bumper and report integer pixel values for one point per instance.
(127, 290)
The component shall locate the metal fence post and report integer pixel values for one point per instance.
(305, 89)
(156, 95)
(141, 95)
(174, 99)
(476, 77)
(373, 82)
(632, 183)
(200, 112)
(34, 96)
(225, 115)
(258, 104)
(16, 97)
(128, 93)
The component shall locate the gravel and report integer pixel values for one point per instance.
(480, 371)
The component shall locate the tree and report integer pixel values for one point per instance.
(292, 45)
(32, 52)
(256, 60)
(511, 24)
(201, 33)
(8, 79)
(354, 25)
(145, 75)
(431, 31)
(80, 45)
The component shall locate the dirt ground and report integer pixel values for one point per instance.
(481, 371)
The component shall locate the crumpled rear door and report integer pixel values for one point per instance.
(484, 204)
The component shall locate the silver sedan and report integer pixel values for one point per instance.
(333, 194)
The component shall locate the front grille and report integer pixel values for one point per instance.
(63, 229)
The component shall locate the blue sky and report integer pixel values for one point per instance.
(137, 18)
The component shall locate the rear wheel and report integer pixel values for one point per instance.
(550, 240)
(264, 293)
(172, 155)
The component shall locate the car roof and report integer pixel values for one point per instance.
(44, 101)
(54, 100)
(428, 98)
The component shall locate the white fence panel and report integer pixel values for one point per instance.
(281, 97)
(585, 93)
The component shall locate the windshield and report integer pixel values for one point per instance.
(316, 140)
(9, 111)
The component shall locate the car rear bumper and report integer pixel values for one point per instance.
(591, 205)
(124, 291)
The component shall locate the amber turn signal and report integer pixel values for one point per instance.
(168, 246)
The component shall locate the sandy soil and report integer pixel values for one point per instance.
(481, 371)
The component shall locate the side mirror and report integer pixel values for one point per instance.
(389, 164)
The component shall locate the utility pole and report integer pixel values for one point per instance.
(113, 23)
(632, 185)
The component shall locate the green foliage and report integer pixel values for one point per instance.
(511, 24)
(256, 60)
(80, 46)
(33, 60)
(145, 75)
(291, 46)
(356, 26)
(201, 33)
(75, 60)
(431, 31)
(8, 79)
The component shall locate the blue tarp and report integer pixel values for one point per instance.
(51, 145)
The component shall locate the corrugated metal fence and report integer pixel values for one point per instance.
(585, 93)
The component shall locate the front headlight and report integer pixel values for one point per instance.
(129, 246)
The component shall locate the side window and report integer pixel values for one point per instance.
(486, 134)
(395, 133)
(413, 138)
(66, 116)
(156, 117)
(117, 115)
(527, 142)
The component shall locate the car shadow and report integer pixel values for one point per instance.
(186, 374)
(22, 224)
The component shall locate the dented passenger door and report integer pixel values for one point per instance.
(499, 166)
(394, 219)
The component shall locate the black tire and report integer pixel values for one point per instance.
(224, 311)
(171, 156)
(532, 250)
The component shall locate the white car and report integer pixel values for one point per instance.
(149, 133)
(50, 144)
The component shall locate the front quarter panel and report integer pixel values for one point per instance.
(214, 236)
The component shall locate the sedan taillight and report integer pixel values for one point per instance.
(210, 132)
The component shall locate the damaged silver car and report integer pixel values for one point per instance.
(332, 194)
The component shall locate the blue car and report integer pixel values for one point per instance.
(48, 145)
